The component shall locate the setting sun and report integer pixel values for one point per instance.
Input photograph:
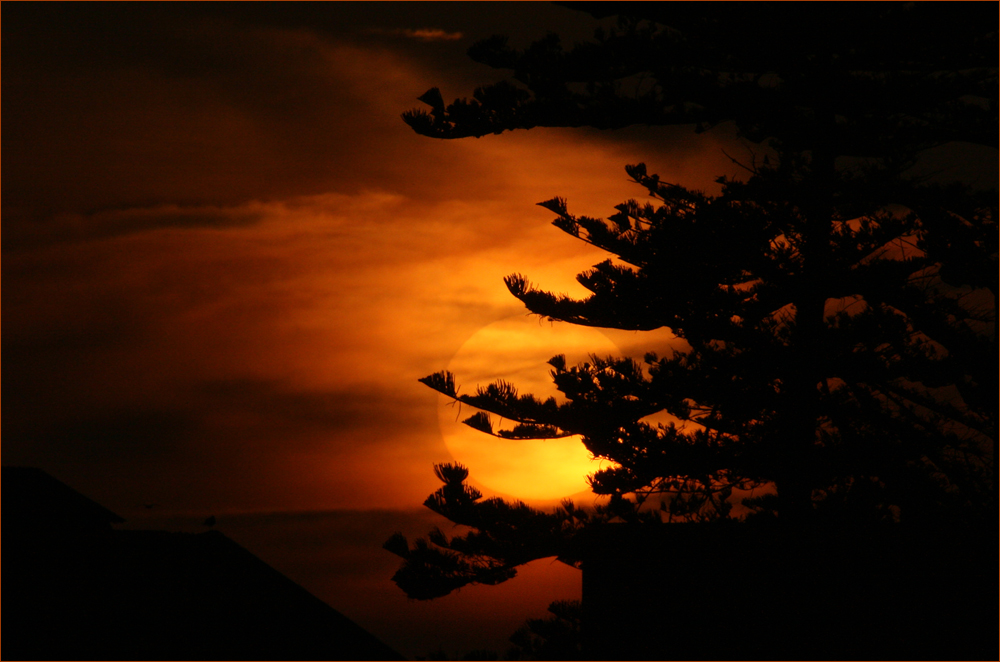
(517, 349)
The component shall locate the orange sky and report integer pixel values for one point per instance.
(286, 334)
(226, 261)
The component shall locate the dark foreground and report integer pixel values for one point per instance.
(736, 592)
(74, 588)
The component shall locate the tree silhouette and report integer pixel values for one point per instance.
(557, 637)
(839, 311)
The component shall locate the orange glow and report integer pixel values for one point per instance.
(274, 280)
(516, 349)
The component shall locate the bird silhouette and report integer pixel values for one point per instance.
(210, 521)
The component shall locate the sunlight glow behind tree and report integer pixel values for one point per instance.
(518, 349)
(840, 312)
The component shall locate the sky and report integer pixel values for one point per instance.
(226, 261)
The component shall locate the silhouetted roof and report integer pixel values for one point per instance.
(86, 592)
(33, 498)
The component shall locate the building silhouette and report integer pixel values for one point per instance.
(74, 587)
(695, 591)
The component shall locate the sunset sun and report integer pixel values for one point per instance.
(517, 349)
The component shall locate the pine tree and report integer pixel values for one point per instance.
(839, 313)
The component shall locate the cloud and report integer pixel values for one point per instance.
(71, 227)
(233, 446)
(220, 114)
(148, 108)
(420, 34)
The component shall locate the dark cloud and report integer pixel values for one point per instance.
(120, 108)
(68, 227)
(114, 105)
(122, 434)
(420, 34)
(223, 444)
(270, 410)
(226, 446)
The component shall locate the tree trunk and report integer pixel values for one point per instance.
(797, 477)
